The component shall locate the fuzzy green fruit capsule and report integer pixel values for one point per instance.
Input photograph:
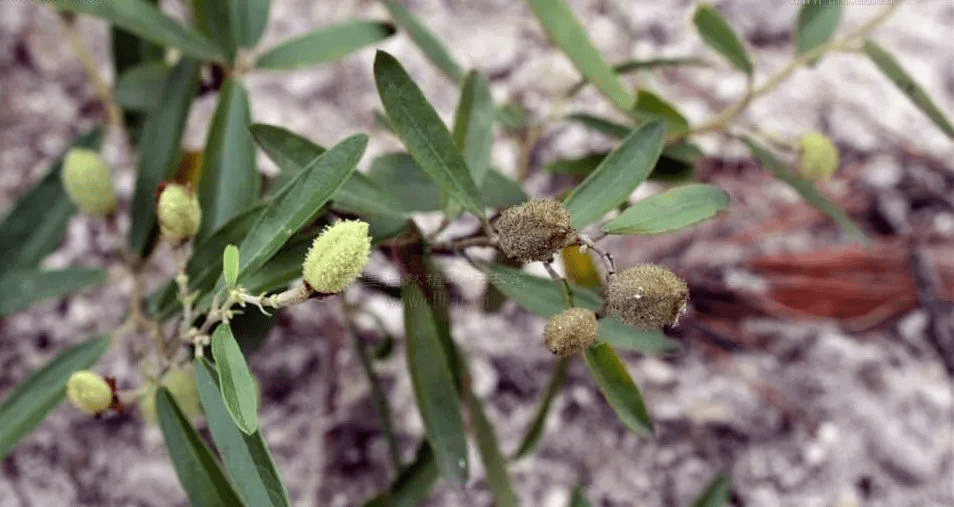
(89, 392)
(570, 331)
(534, 230)
(647, 296)
(181, 385)
(337, 256)
(230, 265)
(178, 212)
(819, 157)
(86, 181)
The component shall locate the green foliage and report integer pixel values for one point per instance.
(717, 33)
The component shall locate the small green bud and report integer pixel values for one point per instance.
(178, 211)
(230, 265)
(337, 256)
(86, 181)
(181, 385)
(647, 296)
(89, 392)
(570, 331)
(534, 230)
(819, 157)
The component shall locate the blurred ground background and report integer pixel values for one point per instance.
(809, 369)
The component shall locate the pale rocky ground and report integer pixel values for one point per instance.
(875, 414)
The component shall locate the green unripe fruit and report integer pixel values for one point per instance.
(178, 212)
(534, 230)
(181, 385)
(89, 392)
(570, 331)
(647, 296)
(86, 181)
(819, 157)
(337, 256)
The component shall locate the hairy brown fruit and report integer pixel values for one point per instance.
(570, 331)
(647, 296)
(534, 230)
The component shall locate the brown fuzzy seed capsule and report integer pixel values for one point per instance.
(647, 296)
(570, 331)
(534, 230)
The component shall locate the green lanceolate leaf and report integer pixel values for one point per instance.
(246, 457)
(413, 484)
(717, 33)
(297, 203)
(136, 88)
(37, 222)
(567, 33)
(500, 191)
(807, 190)
(618, 388)
(544, 297)
(423, 133)
(425, 40)
(495, 464)
(29, 402)
(199, 473)
(235, 380)
(159, 153)
(325, 44)
(716, 493)
(578, 498)
(213, 19)
(816, 24)
(248, 19)
(474, 125)
(671, 210)
(229, 183)
(630, 66)
(433, 387)
(600, 124)
(147, 21)
(579, 166)
(538, 423)
(890, 67)
(22, 288)
(650, 106)
(406, 182)
(617, 175)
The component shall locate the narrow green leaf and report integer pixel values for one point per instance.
(807, 190)
(378, 395)
(567, 33)
(433, 387)
(283, 268)
(890, 67)
(495, 464)
(325, 44)
(671, 210)
(36, 224)
(717, 33)
(147, 21)
(816, 24)
(406, 182)
(716, 493)
(248, 19)
(22, 288)
(618, 388)
(425, 40)
(212, 18)
(474, 125)
(230, 265)
(630, 66)
(599, 124)
(136, 88)
(246, 457)
(500, 191)
(617, 175)
(651, 106)
(424, 133)
(297, 203)
(159, 153)
(578, 498)
(229, 182)
(199, 473)
(538, 423)
(235, 380)
(579, 166)
(413, 484)
(31, 400)
(543, 297)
